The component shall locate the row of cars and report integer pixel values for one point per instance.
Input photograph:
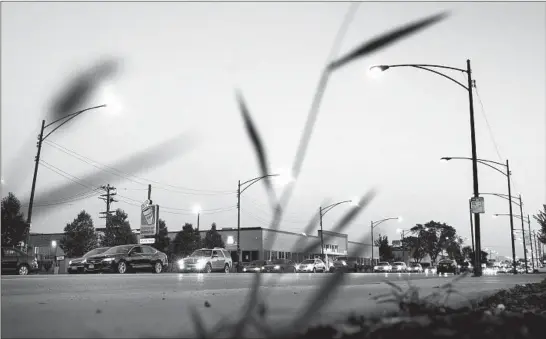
(444, 266)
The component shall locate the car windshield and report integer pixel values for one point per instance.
(342, 258)
(383, 264)
(444, 263)
(202, 253)
(279, 261)
(398, 263)
(415, 265)
(308, 261)
(95, 251)
(118, 249)
(257, 262)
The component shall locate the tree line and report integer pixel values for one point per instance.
(431, 239)
(80, 235)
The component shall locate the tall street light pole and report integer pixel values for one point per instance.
(374, 224)
(523, 235)
(41, 139)
(240, 189)
(322, 212)
(507, 174)
(468, 88)
(197, 210)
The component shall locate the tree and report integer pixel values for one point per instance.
(79, 236)
(213, 238)
(186, 241)
(162, 239)
(415, 246)
(540, 217)
(385, 250)
(14, 226)
(436, 237)
(468, 254)
(118, 230)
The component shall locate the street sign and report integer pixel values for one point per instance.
(149, 219)
(61, 257)
(477, 205)
(147, 240)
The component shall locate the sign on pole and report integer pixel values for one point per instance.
(147, 241)
(149, 222)
(477, 205)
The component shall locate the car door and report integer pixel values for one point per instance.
(215, 259)
(148, 256)
(135, 257)
(10, 260)
(221, 259)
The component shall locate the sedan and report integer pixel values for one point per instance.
(311, 265)
(254, 266)
(16, 261)
(415, 267)
(123, 258)
(78, 265)
(399, 267)
(382, 267)
(280, 266)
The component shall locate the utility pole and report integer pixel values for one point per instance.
(150, 193)
(322, 235)
(508, 174)
(239, 257)
(108, 198)
(523, 233)
(33, 189)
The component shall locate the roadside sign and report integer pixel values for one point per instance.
(477, 205)
(61, 257)
(149, 219)
(147, 240)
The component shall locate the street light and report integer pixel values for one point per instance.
(374, 224)
(468, 88)
(323, 211)
(197, 210)
(522, 231)
(240, 190)
(507, 174)
(41, 139)
(403, 232)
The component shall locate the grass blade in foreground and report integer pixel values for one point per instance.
(386, 39)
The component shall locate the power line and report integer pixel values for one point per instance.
(129, 177)
(487, 123)
(65, 174)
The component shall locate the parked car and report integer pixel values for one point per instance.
(280, 266)
(415, 267)
(254, 266)
(17, 261)
(431, 269)
(351, 264)
(125, 258)
(399, 266)
(382, 267)
(311, 265)
(448, 266)
(77, 265)
(207, 260)
(467, 267)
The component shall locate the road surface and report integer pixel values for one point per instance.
(151, 305)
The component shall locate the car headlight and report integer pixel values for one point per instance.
(276, 267)
(70, 262)
(181, 263)
(263, 268)
(375, 267)
(201, 264)
(108, 259)
(83, 261)
(343, 263)
(297, 267)
(244, 269)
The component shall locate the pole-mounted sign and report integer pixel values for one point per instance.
(149, 221)
(477, 205)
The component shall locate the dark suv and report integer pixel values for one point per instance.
(123, 258)
(16, 261)
(448, 266)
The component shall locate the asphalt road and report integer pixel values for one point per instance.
(146, 305)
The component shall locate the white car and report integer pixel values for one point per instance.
(399, 266)
(311, 265)
(382, 267)
(415, 268)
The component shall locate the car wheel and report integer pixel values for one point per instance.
(208, 268)
(314, 270)
(23, 270)
(121, 267)
(158, 267)
(226, 268)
